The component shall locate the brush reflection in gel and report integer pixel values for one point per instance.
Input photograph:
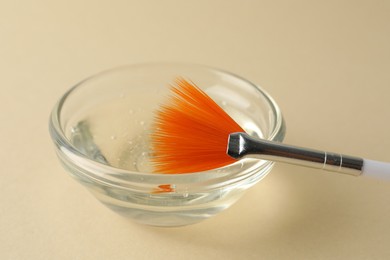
(163, 188)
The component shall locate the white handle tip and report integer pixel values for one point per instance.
(377, 170)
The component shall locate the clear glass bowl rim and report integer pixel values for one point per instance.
(106, 172)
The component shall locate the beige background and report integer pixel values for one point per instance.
(325, 62)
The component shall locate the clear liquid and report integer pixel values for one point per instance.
(115, 134)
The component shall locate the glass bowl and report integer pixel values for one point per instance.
(101, 128)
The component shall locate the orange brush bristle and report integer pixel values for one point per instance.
(191, 132)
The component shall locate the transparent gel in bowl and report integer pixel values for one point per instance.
(101, 131)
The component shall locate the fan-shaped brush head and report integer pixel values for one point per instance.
(191, 132)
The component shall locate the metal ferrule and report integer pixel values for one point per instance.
(242, 145)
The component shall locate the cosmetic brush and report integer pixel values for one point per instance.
(192, 133)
